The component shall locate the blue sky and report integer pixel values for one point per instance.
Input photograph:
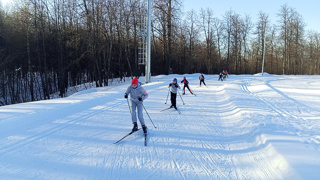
(308, 9)
(3, 2)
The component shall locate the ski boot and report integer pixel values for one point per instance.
(135, 127)
(144, 128)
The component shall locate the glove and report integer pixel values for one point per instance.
(176, 85)
(140, 98)
(170, 85)
(126, 96)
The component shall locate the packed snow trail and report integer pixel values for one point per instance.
(247, 127)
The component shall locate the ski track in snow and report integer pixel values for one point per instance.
(241, 128)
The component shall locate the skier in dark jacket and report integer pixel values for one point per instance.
(201, 78)
(174, 86)
(220, 77)
(137, 96)
(186, 85)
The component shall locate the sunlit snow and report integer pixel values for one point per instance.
(247, 127)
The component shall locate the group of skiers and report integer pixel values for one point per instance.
(138, 95)
(223, 75)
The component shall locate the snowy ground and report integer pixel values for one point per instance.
(248, 127)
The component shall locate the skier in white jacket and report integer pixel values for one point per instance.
(174, 86)
(137, 96)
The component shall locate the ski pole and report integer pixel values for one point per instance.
(129, 106)
(181, 97)
(149, 116)
(191, 90)
(167, 95)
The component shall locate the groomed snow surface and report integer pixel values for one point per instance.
(247, 127)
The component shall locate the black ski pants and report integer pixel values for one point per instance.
(202, 81)
(184, 88)
(173, 99)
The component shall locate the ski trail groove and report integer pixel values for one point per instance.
(48, 132)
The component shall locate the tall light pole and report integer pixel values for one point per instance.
(264, 45)
(264, 51)
(144, 50)
(148, 63)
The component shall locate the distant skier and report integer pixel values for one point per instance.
(174, 86)
(186, 85)
(220, 77)
(137, 96)
(224, 74)
(201, 78)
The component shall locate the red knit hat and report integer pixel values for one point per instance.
(134, 81)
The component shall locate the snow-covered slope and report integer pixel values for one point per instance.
(247, 127)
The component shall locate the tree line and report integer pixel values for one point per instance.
(48, 46)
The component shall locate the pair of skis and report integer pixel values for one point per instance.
(145, 137)
(191, 94)
(171, 108)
